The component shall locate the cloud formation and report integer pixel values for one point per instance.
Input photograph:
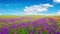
(37, 8)
(58, 12)
(31, 10)
(57, 1)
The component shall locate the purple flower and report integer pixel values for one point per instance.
(56, 32)
(22, 24)
(4, 30)
(13, 20)
(14, 26)
(30, 32)
(52, 20)
(53, 23)
(28, 24)
(1, 20)
(34, 23)
(18, 19)
(5, 20)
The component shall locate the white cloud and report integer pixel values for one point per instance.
(37, 8)
(47, 5)
(58, 12)
(57, 1)
(31, 10)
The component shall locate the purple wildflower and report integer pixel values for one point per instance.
(13, 20)
(4, 30)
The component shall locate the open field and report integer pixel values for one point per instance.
(30, 24)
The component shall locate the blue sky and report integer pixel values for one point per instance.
(29, 7)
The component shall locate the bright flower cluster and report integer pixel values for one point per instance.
(29, 26)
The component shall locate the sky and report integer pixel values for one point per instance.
(29, 7)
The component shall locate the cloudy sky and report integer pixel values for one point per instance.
(29, 7)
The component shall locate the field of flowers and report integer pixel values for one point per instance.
(29, 25)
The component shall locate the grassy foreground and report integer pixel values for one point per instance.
(30, 24)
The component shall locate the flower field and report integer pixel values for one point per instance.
(29, 25)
